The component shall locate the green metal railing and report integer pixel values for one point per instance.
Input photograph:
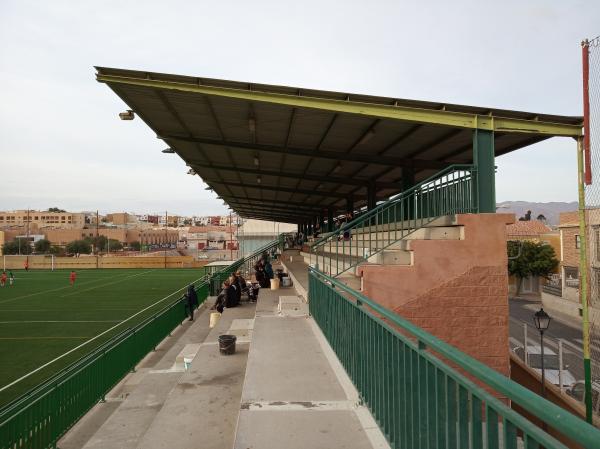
(448, 192)
(420, 401)
(37, 419)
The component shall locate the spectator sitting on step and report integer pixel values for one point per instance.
(224, 299)
(242, 284)
(235, 289)
(269, 270)
(261, 276)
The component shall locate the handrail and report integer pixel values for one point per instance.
(569, 425)
(451, 191)
(397, 197)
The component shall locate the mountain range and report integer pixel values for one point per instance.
(548, 210)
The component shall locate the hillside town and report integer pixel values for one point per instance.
(60, 232)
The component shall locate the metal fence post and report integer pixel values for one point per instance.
(525, 352)
(560, 365)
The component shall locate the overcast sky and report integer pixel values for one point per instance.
(62, 144)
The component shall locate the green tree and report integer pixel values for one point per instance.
(16, 246)
(530, 259)
(99, 242)
(114, 245)
(135, 246)
(79, 246)
(57, 250)
(55, 209)
(42, 246)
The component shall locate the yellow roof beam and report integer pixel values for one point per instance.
(403, 113)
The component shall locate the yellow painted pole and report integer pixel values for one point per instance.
(583, 290)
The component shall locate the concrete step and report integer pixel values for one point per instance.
(385, 238)
(132, 406)
(447, 220)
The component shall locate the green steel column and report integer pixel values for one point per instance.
(408, 180)
(330, 219)
(483, 159)
(371, 200)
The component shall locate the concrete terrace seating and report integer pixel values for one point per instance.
(284, 387)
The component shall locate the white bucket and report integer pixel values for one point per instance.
(187, 361)
(275, 284)
(286, 281)
(214, 319)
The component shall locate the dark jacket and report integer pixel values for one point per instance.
(193, 295)
(230, 297)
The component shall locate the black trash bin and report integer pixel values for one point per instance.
(227, 344)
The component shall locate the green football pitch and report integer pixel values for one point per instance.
(42, 316)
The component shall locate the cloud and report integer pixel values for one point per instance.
(61, 141)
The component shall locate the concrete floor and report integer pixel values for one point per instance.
(283, 388)
(296, 394)
(163, 406)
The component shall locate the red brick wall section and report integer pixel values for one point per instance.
(470, 312)
(456, 289)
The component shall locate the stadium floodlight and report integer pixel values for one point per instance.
(191, 172)
(168, 151)
(127, 115)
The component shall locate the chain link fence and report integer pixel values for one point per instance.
(591, 88)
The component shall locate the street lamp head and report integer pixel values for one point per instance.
(541, 320)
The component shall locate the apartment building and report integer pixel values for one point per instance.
(42, 219)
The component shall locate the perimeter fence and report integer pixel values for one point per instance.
(591, 215)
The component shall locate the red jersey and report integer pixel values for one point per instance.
(72, 276)
(3, 277)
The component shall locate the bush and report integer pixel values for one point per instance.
(135, 246)
(16, 246)
(531, 259)
(79, 247)
(42, 246)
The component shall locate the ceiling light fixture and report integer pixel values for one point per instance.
(127, 115)
(258, 179)
(256, 161)
(252, 125)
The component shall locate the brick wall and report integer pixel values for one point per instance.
(470, 312)
(456, 289)
(569, 252)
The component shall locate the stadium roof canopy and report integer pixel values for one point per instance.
(287, 153)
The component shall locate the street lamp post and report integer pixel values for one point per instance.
(542, 321)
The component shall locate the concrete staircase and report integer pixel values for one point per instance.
(379, 245)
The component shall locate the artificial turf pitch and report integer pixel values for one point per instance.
(43, 317)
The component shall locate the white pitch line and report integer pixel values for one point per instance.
(94, 338)
(60, 321)
(48, 291)
(76, 292)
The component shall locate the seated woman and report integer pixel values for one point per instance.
(261, 276)
(222, 301)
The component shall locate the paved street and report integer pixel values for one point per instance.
(561, 327)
